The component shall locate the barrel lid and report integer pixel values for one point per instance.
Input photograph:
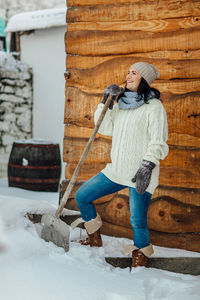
(35, 142)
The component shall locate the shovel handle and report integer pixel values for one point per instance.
(83, 157)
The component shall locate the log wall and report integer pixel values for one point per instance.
(102, 41)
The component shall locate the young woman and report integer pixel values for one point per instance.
(139, 130)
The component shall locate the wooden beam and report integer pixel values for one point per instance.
(102, 43)
(160, 25)
(115, 71)
(131, 10)
(87, 62)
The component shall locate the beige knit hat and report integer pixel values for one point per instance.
(147, 71)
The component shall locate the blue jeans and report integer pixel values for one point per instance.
(99, 186)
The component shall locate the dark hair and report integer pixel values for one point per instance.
(143, 91)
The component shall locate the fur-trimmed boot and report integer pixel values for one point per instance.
(94, 239)
(140, 256)
(93, 230)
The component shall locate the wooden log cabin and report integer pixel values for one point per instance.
(105, 37)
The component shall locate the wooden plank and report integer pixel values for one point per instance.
(160, 25)
(183, 121)
(99, 152)
(186, 177)
(87, 171)
(133, 11)
(187, 241)
(87, 62)
(184, 265)
(169, 215)
(80, 107)
(83, 132)
(182, 139)
(101, 43)
(179, 168)
(165, 214)
(175, 86)
(71, 3)
(111, 71)
(184, 195)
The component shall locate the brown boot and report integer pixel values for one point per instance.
(93, 230)
(138, 259)
(140, 256)
(94, 239)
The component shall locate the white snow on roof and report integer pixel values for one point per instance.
(37, 19)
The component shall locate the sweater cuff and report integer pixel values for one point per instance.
(153, 160)
(148, 164)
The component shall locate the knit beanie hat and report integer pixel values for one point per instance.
(147, 71)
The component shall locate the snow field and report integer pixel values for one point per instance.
(34, 269)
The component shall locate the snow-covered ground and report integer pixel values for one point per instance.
(33, 269)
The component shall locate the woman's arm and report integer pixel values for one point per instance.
(106, 127)
(158, 134)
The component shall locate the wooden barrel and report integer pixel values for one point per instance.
(35, 165)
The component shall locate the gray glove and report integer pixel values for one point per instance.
(114, 90)
(143, 176)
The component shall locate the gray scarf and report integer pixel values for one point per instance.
(129, 100)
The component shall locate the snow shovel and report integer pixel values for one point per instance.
(53, 228)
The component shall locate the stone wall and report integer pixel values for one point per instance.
(16, 101)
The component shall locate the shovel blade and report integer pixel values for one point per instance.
(56, 231)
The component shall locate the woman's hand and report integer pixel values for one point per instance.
(114, 90)
(143, 176)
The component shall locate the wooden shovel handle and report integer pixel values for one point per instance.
(83, 157)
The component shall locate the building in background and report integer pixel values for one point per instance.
(37, 38)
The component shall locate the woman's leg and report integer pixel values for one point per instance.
(96, 187)
(139, 204)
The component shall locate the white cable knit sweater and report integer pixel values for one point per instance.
(137, 134)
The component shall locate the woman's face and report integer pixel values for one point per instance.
(133, 79)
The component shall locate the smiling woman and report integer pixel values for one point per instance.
(139, 135)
